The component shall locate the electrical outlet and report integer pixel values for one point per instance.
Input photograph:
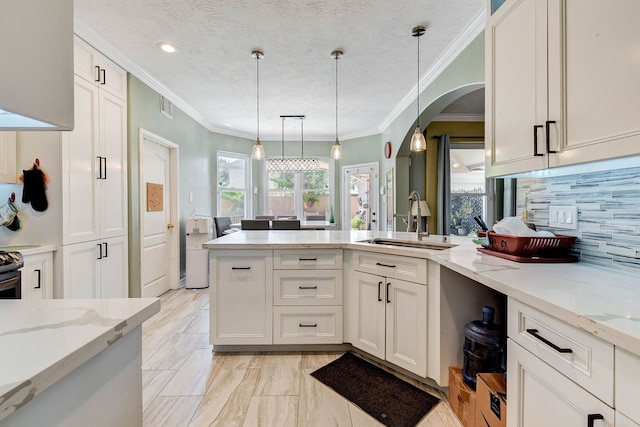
(563, 217)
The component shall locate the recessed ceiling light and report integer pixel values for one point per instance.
(167, 47)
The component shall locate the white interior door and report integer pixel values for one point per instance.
(156, 226)
(360, 197)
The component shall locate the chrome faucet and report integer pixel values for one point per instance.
(414, 196)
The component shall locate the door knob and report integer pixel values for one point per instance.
(169, 226)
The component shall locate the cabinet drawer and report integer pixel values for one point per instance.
(296, 287)
(397, 267)
(307, 259)
(627, 386)
(307, 325)
(582, 357)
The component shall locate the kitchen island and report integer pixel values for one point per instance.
(72, 362)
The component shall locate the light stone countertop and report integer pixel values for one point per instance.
(44, 340)
(601, 301)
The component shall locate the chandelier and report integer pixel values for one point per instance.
(293, 164)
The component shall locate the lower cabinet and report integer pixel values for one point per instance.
(391, 320)
(627, 388)
(541, 396)
(37, 276)
(241, 294)
(96, 269)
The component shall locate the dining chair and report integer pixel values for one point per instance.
(222, 223)
(285, 224)
(254, 224)
(316, 218)
(265, 217)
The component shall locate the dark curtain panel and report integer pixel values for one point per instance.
(444, 185)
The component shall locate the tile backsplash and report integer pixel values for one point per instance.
(608, 204)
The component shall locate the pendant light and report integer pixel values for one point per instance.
(258, 151)
(418, 143)
(336, 150)
(293, 164)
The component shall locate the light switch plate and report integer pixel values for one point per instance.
(563, 217)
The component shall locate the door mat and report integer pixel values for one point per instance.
(382, 395)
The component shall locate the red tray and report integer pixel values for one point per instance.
(517, 258)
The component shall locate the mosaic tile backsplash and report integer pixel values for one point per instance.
(608, 204)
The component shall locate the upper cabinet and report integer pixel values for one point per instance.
(562, 85)
(36, 76)
(8, 157)
(94, 67)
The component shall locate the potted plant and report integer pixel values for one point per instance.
(467, 207)
(357, 223)
(309, 199)
(456, 219)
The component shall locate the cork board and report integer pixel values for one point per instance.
(154, 197)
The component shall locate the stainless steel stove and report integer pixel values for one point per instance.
(10, 275)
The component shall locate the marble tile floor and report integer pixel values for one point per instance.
(186, 384)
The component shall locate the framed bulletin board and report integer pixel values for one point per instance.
(155, 194)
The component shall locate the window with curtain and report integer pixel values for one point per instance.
(300, 194)
(234, 184)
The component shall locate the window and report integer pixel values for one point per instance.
(469, 188)
(234, 180)
(304, 195)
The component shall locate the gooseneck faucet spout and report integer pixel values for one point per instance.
(414, 196)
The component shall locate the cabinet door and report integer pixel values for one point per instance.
(113, 182)
(37, 276)
(516, 87)
(80, 168)
(370, 323)
(593, 72)
(242, 296)
(541, 396)
(113, 79)
(94, 67)
(8, 157)
(81, 270)
(622, 421)
(406, 341)
(114, 271)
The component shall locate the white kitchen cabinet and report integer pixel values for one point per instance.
(540, 396)
(8, 157)
(307, 296)
(391, 320)
(96, 269)
(94, 167)
(627, 387)
(622, 421)
(561, 84)
(241, 292)
(94, 67)
(37, 276)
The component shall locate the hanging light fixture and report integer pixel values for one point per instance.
(418, 143)
(336, 150)
(258, 151)
(293, 164)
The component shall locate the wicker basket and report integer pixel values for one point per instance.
(556, 246)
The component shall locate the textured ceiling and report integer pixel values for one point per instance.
(214, 74)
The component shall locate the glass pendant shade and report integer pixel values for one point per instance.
(336, 151)
(418, 143)
(258, 151)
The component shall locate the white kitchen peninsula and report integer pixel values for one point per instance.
(72, 362)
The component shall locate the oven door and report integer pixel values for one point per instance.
(10, 286)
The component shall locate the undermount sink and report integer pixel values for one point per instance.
(422, 244)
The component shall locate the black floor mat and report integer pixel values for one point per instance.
(385, 397)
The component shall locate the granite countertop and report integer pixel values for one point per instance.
(599, 300)
(44, 340)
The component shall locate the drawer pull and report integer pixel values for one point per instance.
(385, 265)
(591, 418)
(308, 325)
(308, 259)
(534, 332)
(241, 268)
(308, 287)
(379, 286)
(388, 300)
